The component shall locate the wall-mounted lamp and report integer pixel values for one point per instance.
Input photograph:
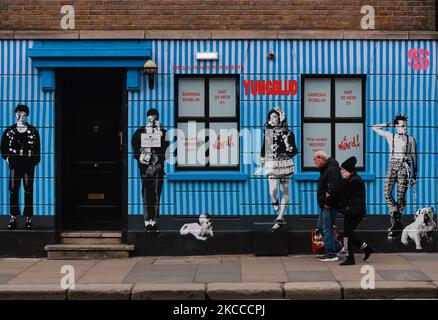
(150, 68)
(271, 55)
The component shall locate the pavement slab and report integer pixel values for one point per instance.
(174, 273)
(312, 290)
(390, 290)
(100, 292)
(218, 273)
(32, 292)
(160, 291)
(311, 276)
(403, 275)
(221, 291)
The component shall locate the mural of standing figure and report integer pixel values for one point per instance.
(150, 144)
(276, 155)
(20, 147)
(402, 169)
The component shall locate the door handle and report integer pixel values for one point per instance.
(121, 138)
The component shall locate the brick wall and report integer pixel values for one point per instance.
(218, 14)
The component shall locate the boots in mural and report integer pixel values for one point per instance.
(20, 148)
(402, 169)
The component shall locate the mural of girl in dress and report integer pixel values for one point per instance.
(276, 156)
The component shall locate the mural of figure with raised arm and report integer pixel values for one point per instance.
(276, 155)
(402, 169)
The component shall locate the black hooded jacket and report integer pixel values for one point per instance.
(352, 200)
(329, 182)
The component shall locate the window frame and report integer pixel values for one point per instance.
(206, 119)
(333, 120)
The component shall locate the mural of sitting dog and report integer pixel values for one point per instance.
(420, 228)
(200, 231)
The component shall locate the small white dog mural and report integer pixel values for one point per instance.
(420, 228)
(201, 230)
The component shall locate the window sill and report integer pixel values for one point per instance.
(314, 176)
(206, 176)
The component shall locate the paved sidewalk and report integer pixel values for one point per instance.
(408, 275)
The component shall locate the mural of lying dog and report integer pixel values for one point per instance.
(420, 228)
(201, 231)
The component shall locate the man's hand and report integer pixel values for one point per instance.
(262, 161)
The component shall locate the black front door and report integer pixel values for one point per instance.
(90, 149)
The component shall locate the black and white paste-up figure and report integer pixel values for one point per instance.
(276, 155)
(402, 169)
(150, 144)
(202, 230)
(20, 147)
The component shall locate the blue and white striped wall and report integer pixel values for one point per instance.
(392, 87)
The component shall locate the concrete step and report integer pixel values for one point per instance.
(88, 251)
(91, 237)
(91, 234)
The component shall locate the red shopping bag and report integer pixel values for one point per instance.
(318, 241)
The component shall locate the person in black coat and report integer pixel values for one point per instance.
(327, 196)
(352, 205)
(150, 159)
(21, 149)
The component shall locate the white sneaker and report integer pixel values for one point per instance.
(147, 223)
(334, 259)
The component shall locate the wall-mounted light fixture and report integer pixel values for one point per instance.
(207, 55)
(271, 55)
(150, 68)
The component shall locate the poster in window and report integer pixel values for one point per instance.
(191, 97)
(224, 144)
(317, 98)
(191, 144)
(316, 136)
(349, 142)
(222, 97)
(348, 97)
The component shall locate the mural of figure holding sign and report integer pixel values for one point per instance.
(20, 147)
(276, 156)
(402, 169)
(150, 145)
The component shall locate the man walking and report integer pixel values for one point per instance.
(20, 147)
(402, 169)
(150, 144)
(327, 194)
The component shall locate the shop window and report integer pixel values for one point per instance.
(333, 118)
(207, 116)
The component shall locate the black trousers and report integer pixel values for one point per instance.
(16, 175)
(151, 193)
(350, 225)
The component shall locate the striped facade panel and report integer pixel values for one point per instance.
(19, 84)
(394, 84)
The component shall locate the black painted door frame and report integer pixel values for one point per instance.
(61, 221)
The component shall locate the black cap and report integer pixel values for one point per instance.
(349, 164)
(152, 112)
(22, 108)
